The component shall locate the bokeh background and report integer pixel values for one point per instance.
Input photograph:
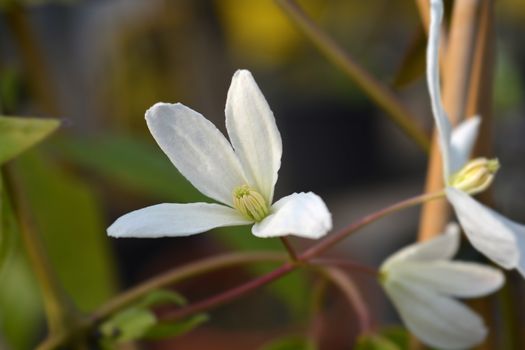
(99, 64)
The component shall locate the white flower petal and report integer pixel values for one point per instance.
(488, 231)
(299, 214)
(519, 235)
(463, 139)
(442, 247)
(197, 148)
(440, 116)
(163, 220)
(455, 278)
(253, 133)
(437, 320)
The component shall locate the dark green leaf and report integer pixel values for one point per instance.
(174, 329)
(134, 164)
(67, 215)
(18, 134)
(162, 297)
(291, 343)
(21, 312)
(130, 324)
(8, 234)
(376, 342)
(389, 338)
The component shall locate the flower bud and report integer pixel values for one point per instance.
(250, 203)
(475, 176)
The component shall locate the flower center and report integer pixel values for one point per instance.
(250, 203)
(475, 176)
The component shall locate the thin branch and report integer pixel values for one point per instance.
(352, 295)
(377, 91)
(214, 263)
(302, 260)
(289, 248)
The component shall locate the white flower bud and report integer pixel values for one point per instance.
(475, 176)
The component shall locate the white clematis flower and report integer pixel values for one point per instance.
(422, 283)
(500, 239)
(241, 177)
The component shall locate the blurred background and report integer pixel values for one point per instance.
(99, 64)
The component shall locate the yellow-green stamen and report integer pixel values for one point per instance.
(250, 203)
(475, 176)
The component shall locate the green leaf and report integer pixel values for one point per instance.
(19, 134)
(160, 297)
(21, 311)
(130, 324)
(291, 343)
(130, 163)
(173, 329)
(376, 342)
(68, 217)
(389, 338)
(138, 321)
(8, 234)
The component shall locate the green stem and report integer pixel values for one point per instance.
(377, 91)
(191, 270)
(59, 309)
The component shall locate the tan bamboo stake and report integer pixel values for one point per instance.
(456, 77)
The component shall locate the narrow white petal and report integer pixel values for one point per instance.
(253, 133)
(440, 116)
(442, 247)
(197, 148)
(163, 220)
(488, 231)
(463, 139)
(438, 321)
(455, 278)
(299, 214)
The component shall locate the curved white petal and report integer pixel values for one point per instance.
(455, 278)
(462, 141)
(197, 148)
(163, 220)
(253, 133)
(519, 235)
(440, 116)
(299, 214)
(437, 320)
(442, 247)
(488, 231)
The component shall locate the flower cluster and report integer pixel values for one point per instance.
(240, 174)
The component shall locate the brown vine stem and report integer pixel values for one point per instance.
(214, 263)
(339, 278)
(161, 281)
(289, 248)
(378, 92)
(302, 260)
